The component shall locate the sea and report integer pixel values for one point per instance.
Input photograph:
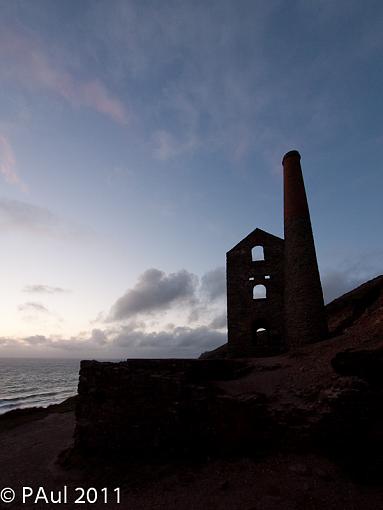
(30, 382)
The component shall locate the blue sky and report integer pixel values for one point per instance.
(141, 140)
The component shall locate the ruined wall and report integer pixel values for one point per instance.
(151, 408)
(246, 314)
(158, 410)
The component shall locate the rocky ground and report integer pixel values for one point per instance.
(324, 405)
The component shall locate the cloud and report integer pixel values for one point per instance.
(27, 217)
(67, 346)
(28, 64)
(32, 306)
(6, 342)
(197, 93)
(43, 289)
(209, 297)
(14, 213)
(33, 311)
(219, 322)
(213, 283)
(155, 291)
(36, 340)
(98, 336)
(213, 80)
(337, 282)
(96, 340)
(125, 333)
(180, 341)
(128, 341)
(223, 76)
(8, 163)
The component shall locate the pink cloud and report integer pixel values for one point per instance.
(95, 95)
(28, 64)
(8, 163)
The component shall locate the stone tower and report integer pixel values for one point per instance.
(305, 320)
(254, 275)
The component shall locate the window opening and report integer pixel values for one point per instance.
(257, 253)
(259, 292)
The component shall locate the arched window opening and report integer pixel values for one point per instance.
(259, 292)
(257, 253)
(260, 333)
(261, 337)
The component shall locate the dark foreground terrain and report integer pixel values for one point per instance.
(304, 481)
(29, 449)
(326, 399)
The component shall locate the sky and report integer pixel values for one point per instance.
(141, 140)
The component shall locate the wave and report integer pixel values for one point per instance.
(38, 399)
(34, 395)
(36, 382)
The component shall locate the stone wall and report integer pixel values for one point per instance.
(142, 408)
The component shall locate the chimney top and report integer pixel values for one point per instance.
(291, 154)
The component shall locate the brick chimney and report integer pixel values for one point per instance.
(305, 320)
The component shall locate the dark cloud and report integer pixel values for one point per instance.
(32, 306)
(36, 340)
(71, 344)
(155, 291)
(128, 341)
(195, 313)
(6, 341)
(43, 289)
(337, 282)
(99, 337)
(178, 342)
(213, 283)
(219, 322)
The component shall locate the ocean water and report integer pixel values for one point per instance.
(36, 382)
